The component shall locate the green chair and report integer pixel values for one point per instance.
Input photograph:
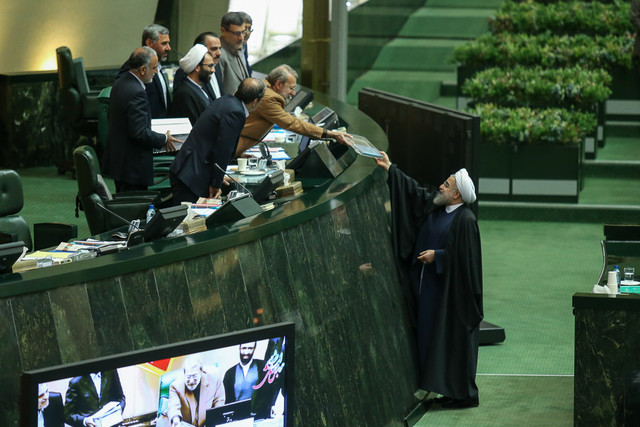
(14, 228)
(94, 196)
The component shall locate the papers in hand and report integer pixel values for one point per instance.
(109, 415)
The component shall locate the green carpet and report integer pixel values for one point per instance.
(512, 401)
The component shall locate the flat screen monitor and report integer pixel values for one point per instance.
(164, 222)
(326, 118)
(268, 185)
(9, 253)
(144, 385)
(302, 98)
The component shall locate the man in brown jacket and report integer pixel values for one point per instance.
(281, 83)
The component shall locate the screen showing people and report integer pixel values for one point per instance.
(240, 384)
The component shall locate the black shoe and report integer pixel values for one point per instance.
(461, 404)
(443, 399)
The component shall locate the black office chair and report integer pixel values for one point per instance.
(93, 195)
(80, 104)
(13, 226)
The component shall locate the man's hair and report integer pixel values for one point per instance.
(250, 89)
(203, 36)
(231, 18)
(246, 18)
(153, 32)
(192, 360)
(281, 74)
(141, 57)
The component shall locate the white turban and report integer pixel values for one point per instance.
(465, 186)
(191, 60)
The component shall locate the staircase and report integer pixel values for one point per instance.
(405, 46)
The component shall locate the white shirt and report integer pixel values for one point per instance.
(451, 208)
(96, 382)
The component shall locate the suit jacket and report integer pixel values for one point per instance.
(213, 139)
(182, 402)
(54, 413)
(180, 77)
(82, 399)
(154, 92)
(270, 111)
(233, 67)
(130, 142)
(189, 101)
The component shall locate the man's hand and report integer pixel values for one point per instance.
(89, 422)
(384, 162)
(427, 257)
(226, 180)
(341, 137)
(170, 142)
(214, 193)
(175, 422)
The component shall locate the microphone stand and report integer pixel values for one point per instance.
(234, 180)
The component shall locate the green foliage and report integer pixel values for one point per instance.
(570, 88)
(546, 50)
(564, 17)
(519, 126)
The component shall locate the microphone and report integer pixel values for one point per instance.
(135, 224)
(264, 150)
(234, 180)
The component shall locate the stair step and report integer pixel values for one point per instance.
(378, 21)
(417, 55)
(424, 86)
(447, 23)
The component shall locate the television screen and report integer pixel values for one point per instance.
(243, 378)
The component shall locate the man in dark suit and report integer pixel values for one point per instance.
(191, 99)
(50, 407)
(130, 142)
(232, 62)
(212, 141)
(214, 87)
(157, 38)
(88, 394)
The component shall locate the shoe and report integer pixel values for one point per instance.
(461, 404)
(442, 399)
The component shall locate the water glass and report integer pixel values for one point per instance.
(629, 273)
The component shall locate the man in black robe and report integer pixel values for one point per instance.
(437, 249)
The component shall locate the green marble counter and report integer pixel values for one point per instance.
(607, 366)
(323, 261)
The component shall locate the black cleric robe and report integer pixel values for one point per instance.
(449, 367)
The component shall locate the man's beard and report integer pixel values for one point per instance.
(440, 199)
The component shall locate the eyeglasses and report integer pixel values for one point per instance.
(208, 65)
(237, 33)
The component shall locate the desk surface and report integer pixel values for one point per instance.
(356, 178)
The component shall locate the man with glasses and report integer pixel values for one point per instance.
(437, 249)
(190, 99)
(194, 393)
(232, 62)
(281, 86)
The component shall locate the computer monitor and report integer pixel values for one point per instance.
(268, 185)
(145, 377)
(164, 222)
(9, 253)
(326, 118)
(302, 98)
